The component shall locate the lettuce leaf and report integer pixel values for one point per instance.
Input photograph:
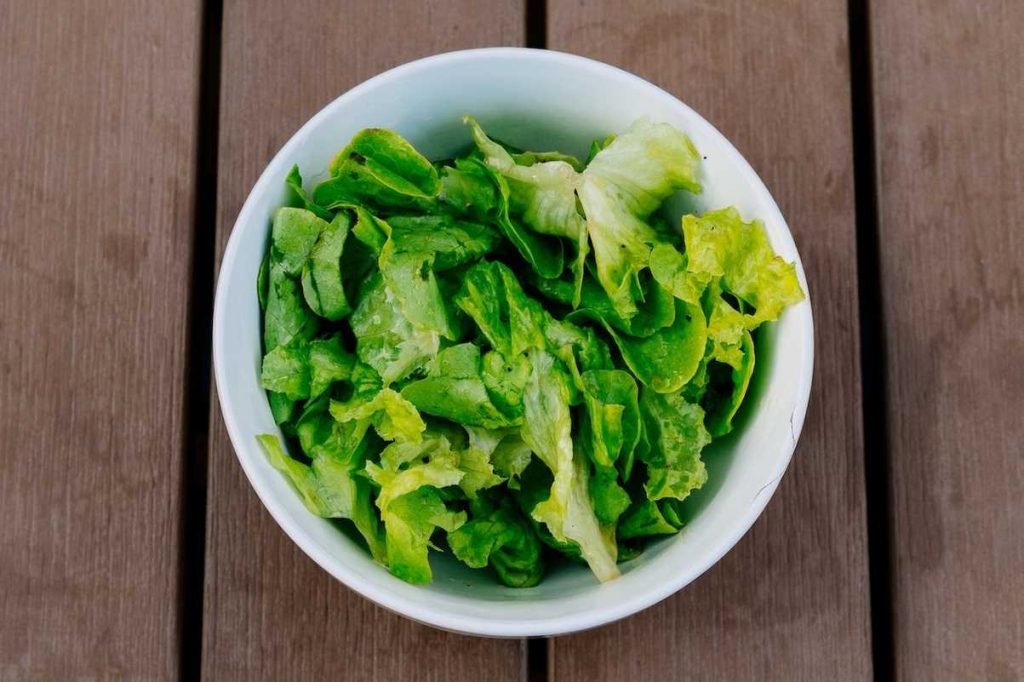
(547, 429)
(379, 168)
(298, 197)
(667, 359)
(330, 487)
(294, 233)
(621, 186)
(676, 433)
(504, 448)
(498, 536)
(492, 297)
(722, 248)
(392, 416)
(322, 283)
(286, 371)
(727, 388)
(385, 339)
(329, 362)
(542, 192)
(455, 389)
(287, 317)
(613, 411)
(410, 476)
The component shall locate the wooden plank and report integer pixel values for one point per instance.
(949, 92)
(97, 133)
(270, 611)
(790, 601)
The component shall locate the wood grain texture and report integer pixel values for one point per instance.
(271, 613)
(97, 124)
(949, 93)
(790, 602)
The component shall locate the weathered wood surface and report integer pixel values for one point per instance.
(790, 601)
(949, 97)
(97, 136)
(271, 613)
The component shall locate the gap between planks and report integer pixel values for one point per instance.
(872, 343)
(198, 353)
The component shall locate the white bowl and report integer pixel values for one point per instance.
(538, 100)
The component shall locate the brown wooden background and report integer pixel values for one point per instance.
(892, 136)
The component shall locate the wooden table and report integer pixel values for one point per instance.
(892, 136)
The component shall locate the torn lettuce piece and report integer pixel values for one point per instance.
(611, 400)
(263, 282)
(510, 320)
(282, 408)
(379, 168)
(667, 359)
(407, 466)
(621, 186)
(597, 145)
(727, 386)
(504, 448)
(330, 487)
(286, 371)
(726, 327)
(655, 312)
(406, 260)
(721, 247)
(643, 520)
(293, 235)
(451, 242)
(299, 474)
(476, 191)
(411, 278)
(547, 428)
(621, 242)
(646, 164)
(610, 499)
(329, 362)
(287, 317)
(392, 416)
(528, 158)
(409, 522)
(385, 339)
(454, 389)
(322, 283)
(505, 380)
(542, 193)
(468, 190)
(668, 267)
(411, 476)
(498, 536)
(298, 197)
(676, 434)
(610, 430)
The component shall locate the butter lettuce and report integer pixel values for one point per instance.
(568, 512)
(510, 355)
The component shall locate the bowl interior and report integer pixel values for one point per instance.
(536, 100)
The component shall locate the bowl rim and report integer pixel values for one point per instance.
(378, 593)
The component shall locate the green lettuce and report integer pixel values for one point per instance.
(568, 512)
(455, 389)
(722, 248)
(379, 168)
(443, 381)
(385, 339)
(498, 536)
(622, 185)
(677, 435)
